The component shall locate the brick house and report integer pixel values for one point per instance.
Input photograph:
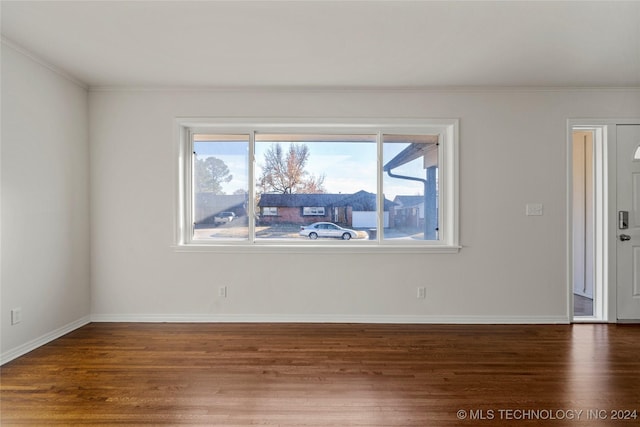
(352, 210)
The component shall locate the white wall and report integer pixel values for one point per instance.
(512, 267)
(45, 203)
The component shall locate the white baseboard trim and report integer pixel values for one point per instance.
(327, 318)
(44, 339)
(277, 318)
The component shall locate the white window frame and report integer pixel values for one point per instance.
(448, 186)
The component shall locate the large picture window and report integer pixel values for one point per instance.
(352, 185)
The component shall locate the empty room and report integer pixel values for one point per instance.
(320, 213)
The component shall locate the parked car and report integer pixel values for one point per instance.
(224, 217)
(327, 229)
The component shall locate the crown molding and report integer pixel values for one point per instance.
(57, 70)
(362, 89)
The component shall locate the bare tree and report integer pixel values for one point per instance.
(286, 174)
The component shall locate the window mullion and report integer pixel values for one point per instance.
(251, 208)
(442, 194)
(380, 195)
(189, 203)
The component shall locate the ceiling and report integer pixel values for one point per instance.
(391, 44)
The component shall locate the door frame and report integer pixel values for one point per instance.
(606, 227)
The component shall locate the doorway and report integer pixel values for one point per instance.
(588, 210)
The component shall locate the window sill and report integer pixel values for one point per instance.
(314, 248)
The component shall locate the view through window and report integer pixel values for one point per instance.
(220, 187)
(411, 180)
(263, 186)
(313, 178)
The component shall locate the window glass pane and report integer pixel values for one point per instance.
(313, 178)
(410, 180)
(220, 187)
(313, 211)
(269, 211)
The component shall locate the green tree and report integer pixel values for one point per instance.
(285, 172)
(210, 173)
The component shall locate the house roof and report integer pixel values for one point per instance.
(361, 200)
(299, 200)
(364, 201)
(427, 150)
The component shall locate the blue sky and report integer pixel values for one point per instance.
(348, 167)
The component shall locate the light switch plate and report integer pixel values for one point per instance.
(535, 209)
(16, 316)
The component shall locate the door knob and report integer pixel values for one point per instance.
(624, 237)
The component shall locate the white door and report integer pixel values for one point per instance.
(628, 246)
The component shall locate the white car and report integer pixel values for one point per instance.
(327, 229)
(224, 217)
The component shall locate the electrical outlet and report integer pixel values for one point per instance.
(534, 209)
(222, 291)
(16, 316)
(422, 292)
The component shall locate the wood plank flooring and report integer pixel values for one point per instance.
(328, 375)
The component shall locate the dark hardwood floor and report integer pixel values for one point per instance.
(328, 375)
